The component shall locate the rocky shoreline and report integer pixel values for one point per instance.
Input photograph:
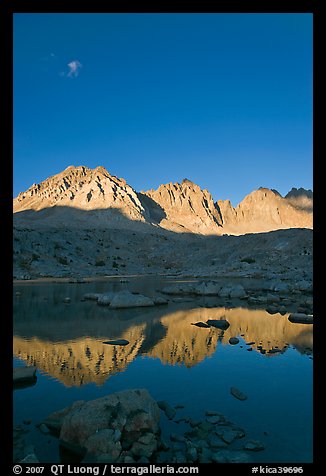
(273, 295)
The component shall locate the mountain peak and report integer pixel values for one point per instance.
(187, 181)
(299, 192)
(187, 207)
(82, 188)
(179, 207)
(300, 198)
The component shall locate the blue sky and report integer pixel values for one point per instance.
(224, 100)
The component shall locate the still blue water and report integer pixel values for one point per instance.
(174, 360)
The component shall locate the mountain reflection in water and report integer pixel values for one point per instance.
(68, 345)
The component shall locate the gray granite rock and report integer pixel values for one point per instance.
(24, 374)
(108, 425)
(126, 299)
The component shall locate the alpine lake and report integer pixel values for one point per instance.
(192, 368)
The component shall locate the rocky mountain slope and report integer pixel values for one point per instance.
(264, 210)
(85, 222)
(187, 208)
(81, 197)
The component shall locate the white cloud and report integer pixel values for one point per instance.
(74, 67)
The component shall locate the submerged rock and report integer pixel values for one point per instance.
(44, 429)
(205, 456)
(214, 419)
(228, 435)
(238, 394)
(169, 411)
(176, 437)
(193, 423)
(216, 442)
(253, 445)
(211, 413)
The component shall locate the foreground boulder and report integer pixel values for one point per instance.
(126, 421)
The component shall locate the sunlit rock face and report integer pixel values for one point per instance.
(80, 197)
(67, 196)
(264, 210)
(187, 208)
